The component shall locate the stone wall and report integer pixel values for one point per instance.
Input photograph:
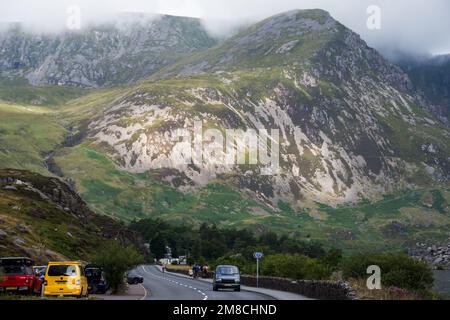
(322, 290)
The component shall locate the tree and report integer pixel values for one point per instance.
(115, 260)
(158, 246)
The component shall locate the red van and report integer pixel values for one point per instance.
(16, 275)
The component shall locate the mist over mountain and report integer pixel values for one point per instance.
(407, 25)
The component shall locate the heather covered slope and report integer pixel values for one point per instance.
(44, 219)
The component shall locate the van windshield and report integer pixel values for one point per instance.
(227, 270)
(62, 271)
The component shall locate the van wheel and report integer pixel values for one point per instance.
(238, 289)
(215, 288)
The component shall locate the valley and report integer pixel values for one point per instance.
(364, 162)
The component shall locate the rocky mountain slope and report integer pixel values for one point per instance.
(128, 49)
(44, 219)
(351, 127)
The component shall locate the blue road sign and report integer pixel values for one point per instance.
(258, 255)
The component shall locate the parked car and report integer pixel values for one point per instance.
(39, 272)
(66, 278)
(133, 278)
(96, 279)
(227, 277)
(18, 276)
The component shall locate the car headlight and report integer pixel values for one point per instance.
(218, 280)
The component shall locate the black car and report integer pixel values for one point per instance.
(227, 277)
(133, 278)
(96, 280)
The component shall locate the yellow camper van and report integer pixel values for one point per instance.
(65, 278)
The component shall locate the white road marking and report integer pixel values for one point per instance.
(145, 292)
(175, 282)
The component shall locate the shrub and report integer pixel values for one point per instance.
(397, 270)
(294, 266)
(115, 260)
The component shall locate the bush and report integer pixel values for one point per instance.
(397, 270)
(115, 260)
(332, 259)
(294, 266)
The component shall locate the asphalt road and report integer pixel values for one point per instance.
(164, 286)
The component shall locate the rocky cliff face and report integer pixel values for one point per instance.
(131, 48)
(351, 126)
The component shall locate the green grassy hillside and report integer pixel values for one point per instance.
(27, 135)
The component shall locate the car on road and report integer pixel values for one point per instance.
(96, 279)
(133, 278)
(65, 279)
(227, 277)
(17, 276)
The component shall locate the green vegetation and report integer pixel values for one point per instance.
(210, 242)
(27, 134)
(285, 257)
(115, 260)
(18, 91)
(398, 270)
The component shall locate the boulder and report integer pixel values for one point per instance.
(18, 241)
(23, 228)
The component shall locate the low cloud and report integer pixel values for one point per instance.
(414, 26)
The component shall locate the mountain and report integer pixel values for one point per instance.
(128, 49)
(44, 219)
(363, 163)
(351, 127)
(432, 77)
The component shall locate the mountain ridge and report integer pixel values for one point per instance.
(105, 54)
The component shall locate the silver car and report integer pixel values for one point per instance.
(227, 277)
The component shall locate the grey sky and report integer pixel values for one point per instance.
(409, 25)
